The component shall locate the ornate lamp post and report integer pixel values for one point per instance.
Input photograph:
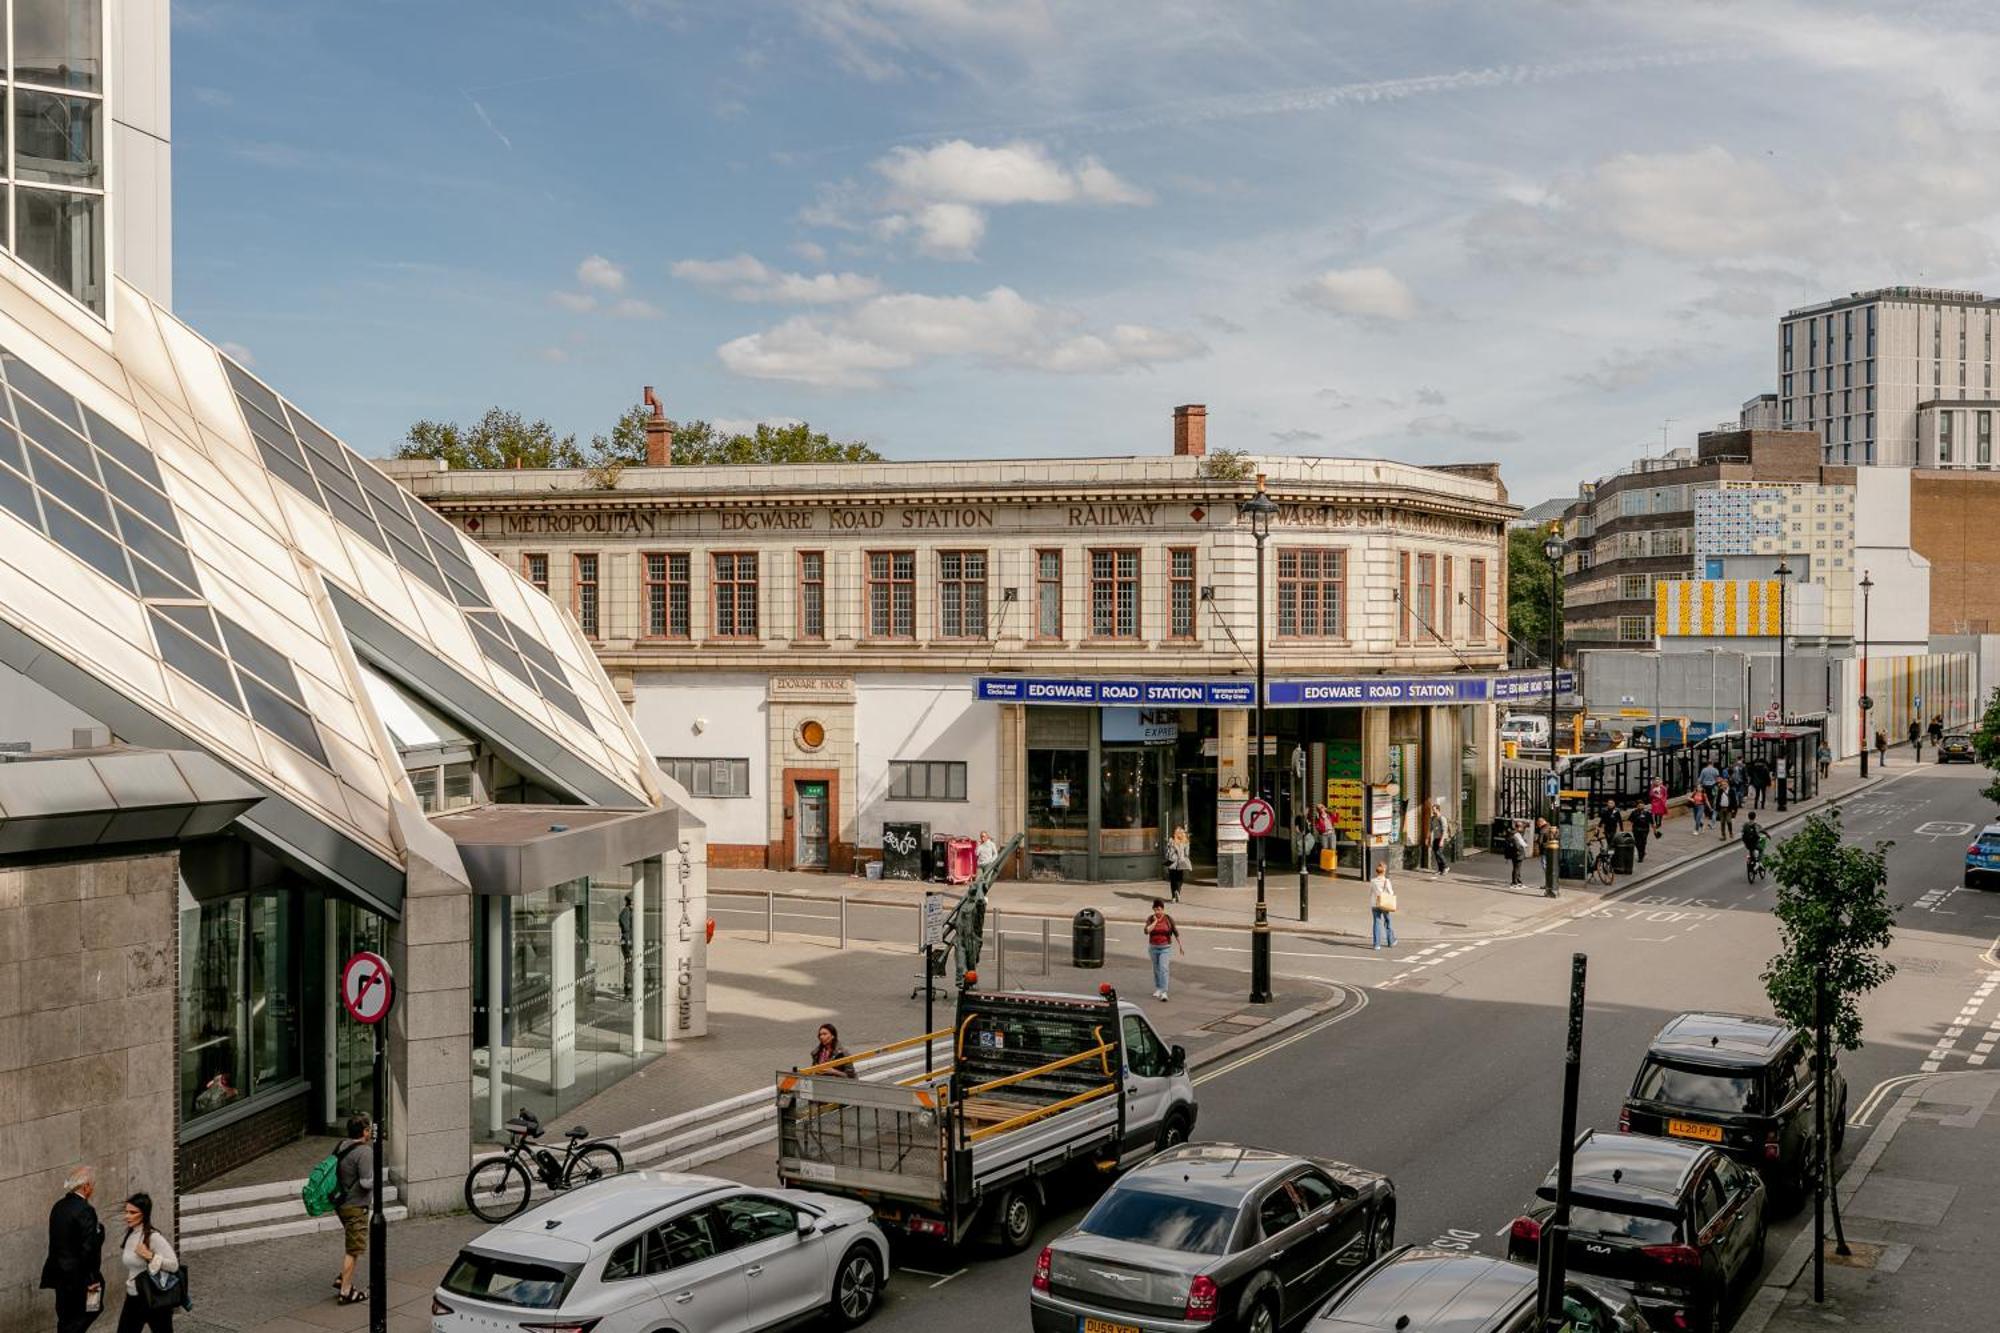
(1784, 573)
(1867, 586)
(1260, 509)
(1552, 549)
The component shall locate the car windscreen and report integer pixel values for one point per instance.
(531, 1286)
(1725, 1091)
(1605, 1220)
(1989, 842)
(1192, 1226)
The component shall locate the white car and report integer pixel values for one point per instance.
(652, 1252)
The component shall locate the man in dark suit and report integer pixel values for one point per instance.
(73, 1269)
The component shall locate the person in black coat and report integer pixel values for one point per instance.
(74, 1266)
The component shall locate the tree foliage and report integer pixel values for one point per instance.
(1833, 919)
(496, 440)
(698, 444)
(1224, 465)
(1986, 743)
(1528, 579)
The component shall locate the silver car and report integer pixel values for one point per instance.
(652, 1252)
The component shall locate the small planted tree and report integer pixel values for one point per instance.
(1986, 744)
(1834, 917)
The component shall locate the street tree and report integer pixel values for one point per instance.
(498, 439)
(699, 443)
(1528, 579)
(1986, 744)
(1834, 919)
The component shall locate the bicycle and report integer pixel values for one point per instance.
(1753, 866)
(1600, 861)
(498, 1187)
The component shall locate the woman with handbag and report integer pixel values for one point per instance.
(152, 1272)
(1382, 906)
(1178, 861)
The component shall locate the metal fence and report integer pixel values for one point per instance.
(1616, 775)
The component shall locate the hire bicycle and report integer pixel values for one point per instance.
(1600, 861)
(1753, 864)
(497, 1187)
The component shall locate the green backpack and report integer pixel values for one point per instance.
(322, 1193)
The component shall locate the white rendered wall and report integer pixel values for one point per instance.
(1899, 606)
(711, 717)
(925, 717)
(141, 183)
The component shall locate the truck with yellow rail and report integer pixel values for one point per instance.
(1038, 1088)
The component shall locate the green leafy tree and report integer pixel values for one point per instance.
(1834, 919)
(1528, 580)
(1986, 744)
(496, 440)
(698, 444)
(625, 445)
(1224, 465)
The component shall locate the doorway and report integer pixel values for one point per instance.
(810, 827)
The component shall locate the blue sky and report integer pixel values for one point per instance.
(1524, 230)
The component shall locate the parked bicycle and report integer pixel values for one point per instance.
(496, 1188)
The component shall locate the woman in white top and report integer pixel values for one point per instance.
(1381, 907)
(145, 1251)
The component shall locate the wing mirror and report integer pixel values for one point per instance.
(808, 1224)
(1177, 1060)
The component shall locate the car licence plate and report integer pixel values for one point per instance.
(1090, 1325)
(1694, 1129)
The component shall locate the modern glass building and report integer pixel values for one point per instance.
(422, 755)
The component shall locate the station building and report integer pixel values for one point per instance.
(1059, 647)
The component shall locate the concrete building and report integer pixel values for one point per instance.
(1897, 376)
(261, 710)
(1057, 647)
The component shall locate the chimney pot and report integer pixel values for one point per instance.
(1190, 430)
(659, 433)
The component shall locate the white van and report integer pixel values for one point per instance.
(1529, 731)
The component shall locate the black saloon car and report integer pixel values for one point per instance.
(1449, 1291)
(1741, 1084)
(1955, 749)
(1213, 1236)
(1677, 1224)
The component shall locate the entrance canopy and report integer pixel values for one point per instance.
(1334, 692)
(510, 850)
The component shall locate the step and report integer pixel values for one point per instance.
(210, 1220)
(300, 1226)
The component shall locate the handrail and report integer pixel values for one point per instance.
(958, 1046)
(890, 1049)
(1007, 1080)
(1050, 1109)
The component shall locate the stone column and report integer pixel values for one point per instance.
(1232, 784)
(430, 1039)
(684, 934)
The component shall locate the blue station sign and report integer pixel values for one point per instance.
(1344, 692)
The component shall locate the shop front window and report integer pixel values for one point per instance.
(1129, 803)
(1058, 807)
(239, 1000)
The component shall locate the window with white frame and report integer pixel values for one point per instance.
(710, 777)
(54, 178)
(926, 780)
(1635, 629)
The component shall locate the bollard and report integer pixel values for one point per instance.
(1045, 946)
(770, 914)
(843, 921)
(1302, 887)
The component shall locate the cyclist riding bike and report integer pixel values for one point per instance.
(1753, 841)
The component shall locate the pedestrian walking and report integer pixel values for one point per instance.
(1382, 907)
(1641, 820)
(828, 1049)
(74, 1268)
(1726, 802)
(1517, 851)
(1551, 840)
(1937, 730)
(1825, 759)
(1162, 937)
(357, 1191)
(1758, 774)
(1698, 805)
(625, 930)
(147, 1255)
(1656, 805)
(1440, 837)
(1881, 748)
(1178, 862)
(988, 851)
(1708, 777)
(1916, 740)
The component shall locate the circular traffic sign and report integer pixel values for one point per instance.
(1258, 818)
(367, 987)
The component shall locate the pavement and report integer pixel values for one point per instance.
(1922, 1207)
(1437, 1062)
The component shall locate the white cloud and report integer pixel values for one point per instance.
(633, 308)
(1015, 173)
(1369, 293)
(750, 279)
(950, 231)
(238, 353)
(599, 272)
(1297, 436)
(901, 330)
(877, 38)
(554, 356)
(576, 302)
(810, 251)
(1441, 424)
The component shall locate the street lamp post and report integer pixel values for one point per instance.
(1552, 549)
(1784, 573)
(1260, 509)
(1867, 586)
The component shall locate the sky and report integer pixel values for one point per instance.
(1550, 233)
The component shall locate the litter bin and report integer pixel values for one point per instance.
(1086, 939)
(1624, 853)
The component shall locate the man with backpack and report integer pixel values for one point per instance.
(344, 1183)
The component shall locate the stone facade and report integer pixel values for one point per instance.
(88, 1027)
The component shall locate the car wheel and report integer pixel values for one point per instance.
(857, 1286)
(1174, 1130)
(1382, 1234)
(1263, 1316)
(1020, 1213)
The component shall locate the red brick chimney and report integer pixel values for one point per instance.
(659, 433)
(1190, 430)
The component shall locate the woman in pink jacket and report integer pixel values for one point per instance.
(1658, 805)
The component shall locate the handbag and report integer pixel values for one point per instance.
(1385, 901)
(165, 1291)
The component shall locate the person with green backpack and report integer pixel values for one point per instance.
(344, 1183)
